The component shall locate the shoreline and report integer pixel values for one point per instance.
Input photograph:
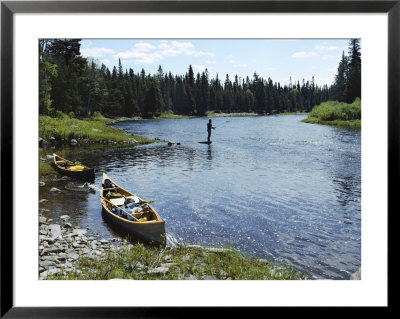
(69, 253)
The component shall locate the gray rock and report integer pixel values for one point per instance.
(78, 232)
(42, 220)
(54, 230)
(47, 263)
(356, 275)
(73, 255)
(54, 250)
(55, 190)
(53, 271)
(42, 184)
(44, 200)
(73, 141)
(65, 217)
(42, 232)
(191, 277)
(51, 258)
(49, 240)
(158, 271)
(43, 275)
(49, 157)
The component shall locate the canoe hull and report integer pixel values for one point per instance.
(86, 175)
(148, 232)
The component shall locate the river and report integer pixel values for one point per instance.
(270, 186)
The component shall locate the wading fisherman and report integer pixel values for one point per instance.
(209, 127)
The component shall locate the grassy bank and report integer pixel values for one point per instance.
(336, 113)
(182, 262)
(170, 115)
(94, 129)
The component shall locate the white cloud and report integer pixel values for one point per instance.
(326, 47)
(148, 53)
(271, 68)
(240, 65)
(202, 53)
(303, 54)
(143, 46)
(96, 52)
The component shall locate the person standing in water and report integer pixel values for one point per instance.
(209, 127)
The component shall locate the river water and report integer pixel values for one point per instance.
(270, 186)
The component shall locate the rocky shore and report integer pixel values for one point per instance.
(60, 247)
(82, 141)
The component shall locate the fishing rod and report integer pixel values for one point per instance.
(222, 124)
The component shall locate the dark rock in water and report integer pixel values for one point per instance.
(52, 140)
(73, 141)
(174, 143)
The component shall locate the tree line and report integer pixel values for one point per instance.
(347, 84)
(76, 85)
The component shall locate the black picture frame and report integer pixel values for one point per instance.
(9, 8)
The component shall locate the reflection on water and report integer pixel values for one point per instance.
(273, 187)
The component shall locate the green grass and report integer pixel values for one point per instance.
(210, 113)
(336, 113)
(170, 115)
(95, 129)
(135, 263)
(45, 168)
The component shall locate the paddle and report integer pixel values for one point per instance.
(129, 214)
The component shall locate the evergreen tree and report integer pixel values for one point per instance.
(353, 88)
(153, 99)
(339, 86)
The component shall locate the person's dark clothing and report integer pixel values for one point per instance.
(209, 127)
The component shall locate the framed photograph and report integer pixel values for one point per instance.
(196, 154)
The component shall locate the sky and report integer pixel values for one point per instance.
(278, 59)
